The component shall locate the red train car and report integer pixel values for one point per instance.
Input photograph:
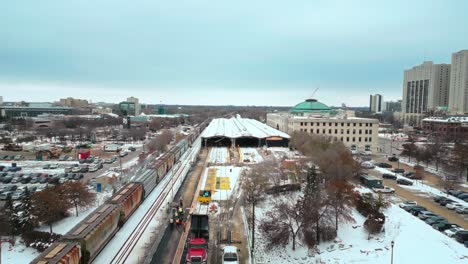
(60, 253)
(128, 198)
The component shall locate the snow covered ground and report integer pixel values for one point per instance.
(396, 137)
(281, 153)
(250, 155)
(19, 254)
(415, 242)
(232, 173)
(219, 155)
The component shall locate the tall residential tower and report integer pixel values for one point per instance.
(425, 87)
(458, 99)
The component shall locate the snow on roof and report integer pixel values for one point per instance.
(240, 127)
(450, 119)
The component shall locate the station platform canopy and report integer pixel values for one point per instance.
(238, 131)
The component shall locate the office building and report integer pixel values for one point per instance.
(72, 102)
(136, 103)
(314, 117)
(391, 106)
(425, 87)
(458, 99)
(375, 104)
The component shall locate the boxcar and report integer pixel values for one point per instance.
(128, 198)
(161, 169)
(95, 231)
(60, 253)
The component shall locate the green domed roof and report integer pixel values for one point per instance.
(310, 106)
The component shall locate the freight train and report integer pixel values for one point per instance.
(84, 241)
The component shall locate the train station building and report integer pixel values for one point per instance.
(242, 132)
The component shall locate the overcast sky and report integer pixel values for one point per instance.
(243, 52)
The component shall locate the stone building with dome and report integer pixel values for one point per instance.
(314, 117)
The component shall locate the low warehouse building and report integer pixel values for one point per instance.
(242, 132)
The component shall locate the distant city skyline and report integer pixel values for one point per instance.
(222, 53)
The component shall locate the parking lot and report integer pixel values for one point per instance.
(17, 173)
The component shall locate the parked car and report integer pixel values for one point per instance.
(93, 168)
(17, 196)
(43, 180)
(230, 255)
(446, 201)
(131, 148)
(407, 203)
(452, 206)
(76, 169)
(442, 226)
(397, 170)
(53, 166)
(5, 195)
(383, 165)
(426, 214)
(25, 179)
(385, 189)
(389, 176)
(417, 210)
(404, 181)
(409, 207)
(462, 210)
(452, 231)
(454, 192)
(393, 159)
(19, 157)
(46, 166)
(125, 153)
(438, 198)
(461, 236)
(433, 220)
(78, 176)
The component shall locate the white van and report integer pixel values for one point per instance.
(230, 255)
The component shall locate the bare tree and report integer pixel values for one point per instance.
(50, 205)
(254, 185)
(78, 195)
(285, 221)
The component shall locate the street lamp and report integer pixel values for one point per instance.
(393, 243)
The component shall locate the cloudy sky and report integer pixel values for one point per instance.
(243, 52)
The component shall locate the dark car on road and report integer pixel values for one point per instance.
(393, 159)
(389, 176)
(397, 170)
(415, 211)
(404, 182)
(444, 202)
(442, 226)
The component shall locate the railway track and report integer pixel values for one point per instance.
(124, 252)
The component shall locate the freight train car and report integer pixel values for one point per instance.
(95, 231)
(128, 198)
(60, 253)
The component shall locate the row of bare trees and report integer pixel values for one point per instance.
(452, 157)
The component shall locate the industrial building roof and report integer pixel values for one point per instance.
(240, 127)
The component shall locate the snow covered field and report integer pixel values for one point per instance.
(415, 242)
(250, 155)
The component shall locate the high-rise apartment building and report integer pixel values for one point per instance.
(375, 104)
(425, 87)
(458, 99)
